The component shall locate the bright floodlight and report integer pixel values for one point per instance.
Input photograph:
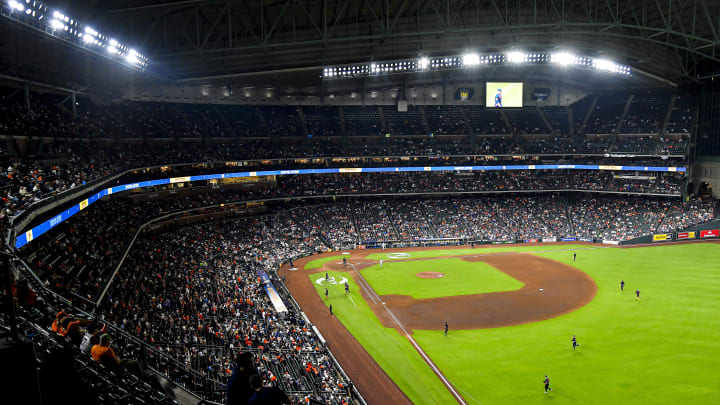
(562, 58)
(16, 6)
(112, 50)
(471, 59)
(423, 63)
(604, 64)
(515, 57)
(56, 24)
(132, 57)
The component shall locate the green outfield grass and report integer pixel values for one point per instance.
(392, 351)
(473, 251)
(661, 350)
(461, 278)
(318, 263)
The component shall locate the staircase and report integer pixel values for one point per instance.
(424, 119)
(264, 122)
(301, 114)
(588, 114)
(341, 114)
(224, 121)
(624, 113)
(668, 114)
(466, 121)
(382, 120)
(544, 118)
(429, 221)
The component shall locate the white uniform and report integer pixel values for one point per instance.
(381, 262)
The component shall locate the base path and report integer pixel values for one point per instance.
(564, 289)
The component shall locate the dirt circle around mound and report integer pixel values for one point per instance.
(430, 274)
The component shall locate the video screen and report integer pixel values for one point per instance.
(499, 94)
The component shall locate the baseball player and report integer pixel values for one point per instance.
(546, 381)
(347, 288)
(574, 342)
(331, 309)
(326, 293)
(574, 256)
(622, 285)
(326, 277)
(446, 328)
(637, 295)
(344, 261)
(381, 262)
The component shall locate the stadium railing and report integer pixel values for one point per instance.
(149, 352)
(192, 381)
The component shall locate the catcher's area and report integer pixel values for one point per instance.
(550, 289)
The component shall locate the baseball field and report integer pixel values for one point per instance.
(511, 313)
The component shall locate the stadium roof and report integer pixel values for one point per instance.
(289, 41)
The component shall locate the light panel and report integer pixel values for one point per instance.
(60, 25)
(562, 59)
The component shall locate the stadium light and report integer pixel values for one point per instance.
(515, 57)
(604, 64)
(423, 63)
(57, 24)
(471, 59)
(562, 58)
(14, 5)
(132, 57)
(60, 25)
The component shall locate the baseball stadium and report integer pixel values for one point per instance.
(358, 202)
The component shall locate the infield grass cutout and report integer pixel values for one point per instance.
(461, 277)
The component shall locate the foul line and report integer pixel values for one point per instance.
(376, 298)
(352, 300)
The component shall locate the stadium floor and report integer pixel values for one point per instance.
(370, 379)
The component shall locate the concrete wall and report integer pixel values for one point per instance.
(560, 94)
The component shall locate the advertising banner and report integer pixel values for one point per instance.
(568, 239)
(541, 94)
(464, 93)
(710, 233)
(611, 242)
(549, 240)
(686, 235)
(531, 240)
(661, 237)
(40, 229)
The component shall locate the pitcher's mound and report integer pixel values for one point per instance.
(430, 274)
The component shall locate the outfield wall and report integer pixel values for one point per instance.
(707, 231)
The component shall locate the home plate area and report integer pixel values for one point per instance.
(430, 274)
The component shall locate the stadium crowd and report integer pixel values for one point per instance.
(79, 255)
(195, 294)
